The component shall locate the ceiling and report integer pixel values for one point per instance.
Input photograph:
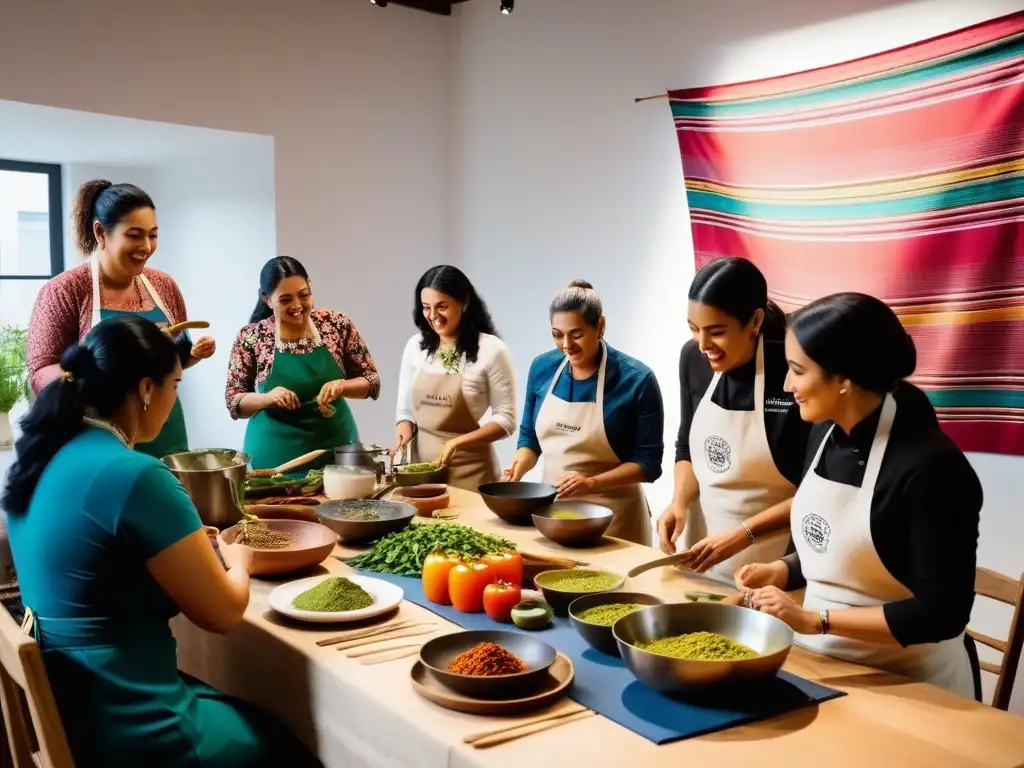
(442, 7)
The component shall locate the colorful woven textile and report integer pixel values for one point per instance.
(900, 175)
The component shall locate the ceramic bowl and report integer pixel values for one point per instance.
(438, 653)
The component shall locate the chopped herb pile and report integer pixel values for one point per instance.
(333, 595)
(403, 553)
(283, 485)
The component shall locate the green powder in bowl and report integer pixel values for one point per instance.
(578, 580)
(565, 514)
(699, 646)
(606, 615)
(334, 595)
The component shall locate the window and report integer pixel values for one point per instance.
(31, 241)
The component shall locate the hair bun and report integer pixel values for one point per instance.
(581, 284)
(78, 360)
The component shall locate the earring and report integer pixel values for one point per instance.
(145, 405)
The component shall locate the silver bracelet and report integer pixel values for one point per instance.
(750, 533)
(823, 618)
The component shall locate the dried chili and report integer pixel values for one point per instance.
(486, 659)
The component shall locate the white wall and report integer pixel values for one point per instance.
(357, 99)
(560, 175)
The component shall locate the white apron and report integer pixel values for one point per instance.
(736, 474)
(94, 265)
(573, 439)
(442, 413)
(831, 527)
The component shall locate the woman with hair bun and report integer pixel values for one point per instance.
(885, 521)
(115, 226)
(109, 547)
(595, 414)
(741, 441)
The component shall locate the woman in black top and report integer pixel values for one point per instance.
(739, 452)
(885, 522)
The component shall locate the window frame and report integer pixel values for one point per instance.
(56, 213)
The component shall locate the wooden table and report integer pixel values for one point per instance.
(355, 715)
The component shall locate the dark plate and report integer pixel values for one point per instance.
(515, 502)
(394, 516)
(438, 653)
(598, 636)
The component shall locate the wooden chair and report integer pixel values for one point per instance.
(1004, 589)
(34, 730)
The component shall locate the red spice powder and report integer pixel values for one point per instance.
(486, 659)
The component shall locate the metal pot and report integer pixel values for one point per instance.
(362, 455)
(215, 479)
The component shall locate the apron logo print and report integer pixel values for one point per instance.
(717, 454)
(816, 531)
(437, 401)
(563, 427)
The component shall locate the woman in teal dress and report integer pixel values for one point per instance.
(292, 370)
(108, 547)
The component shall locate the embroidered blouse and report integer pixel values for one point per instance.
(62, 315)
(253, 355)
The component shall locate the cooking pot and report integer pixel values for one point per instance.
(363, 455)
(215, 479)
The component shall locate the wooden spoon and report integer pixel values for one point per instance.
(288, 466)
(174, 330)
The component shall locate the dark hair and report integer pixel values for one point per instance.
(475, 318)
(107, 203)
(737, 287)
(580, 297)
(108, 365)
(858, 337)
(273, 272)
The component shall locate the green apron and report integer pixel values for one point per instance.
(173, 438)
(275, 435)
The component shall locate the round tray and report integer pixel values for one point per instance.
(387, 596)
(560, 676)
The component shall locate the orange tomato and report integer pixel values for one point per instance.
(507, 566)
(500, 598)
(436, 567)
(466, 584)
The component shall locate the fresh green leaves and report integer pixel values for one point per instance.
(283, 485)
(404, 552)
(13, 368)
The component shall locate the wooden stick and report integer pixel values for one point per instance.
(474, 737)
(374, 651)
(411, 632)
(518, 733)
(650, 98)
(356, 634)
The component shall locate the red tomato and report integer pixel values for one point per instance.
(436, 567)
(466, 583)
(500, 598)
(507, 566)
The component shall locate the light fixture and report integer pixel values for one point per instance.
(379, 3)
(507, 6)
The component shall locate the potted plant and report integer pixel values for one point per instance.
(13, 377)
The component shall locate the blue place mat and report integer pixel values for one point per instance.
(604, 683)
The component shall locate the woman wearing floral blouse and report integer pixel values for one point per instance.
(291, 369)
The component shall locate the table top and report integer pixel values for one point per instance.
(884, 719)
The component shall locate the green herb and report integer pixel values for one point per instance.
(450, 359)
(283, 485)
(565, 514)
(13, 369)
(361, 514)
(577, 580)
(333, 595)
(403, 552)
(412, 468)
(699, 646)
(606, 615)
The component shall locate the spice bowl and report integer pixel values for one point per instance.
(437, 654)
(573, 523)
(516, 501)
(313, 544)
(427, 498)
(561, 587)
(600, 636)
(364, 519)
(405, 477)
(770, 637)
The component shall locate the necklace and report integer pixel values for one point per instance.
(113, 429)
(450, 358)
(297, 346)
(140, 302)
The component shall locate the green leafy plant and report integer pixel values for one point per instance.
(13, 368)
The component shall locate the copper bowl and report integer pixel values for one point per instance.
(313, 544)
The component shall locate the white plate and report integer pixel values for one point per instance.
(386, 596)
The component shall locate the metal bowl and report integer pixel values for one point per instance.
(767, 635)
(215, 479)
(515, 502)
(362, 455)
(559, 599)
(584, 531)
(597, 635)
(438, 653)
(394, 516)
